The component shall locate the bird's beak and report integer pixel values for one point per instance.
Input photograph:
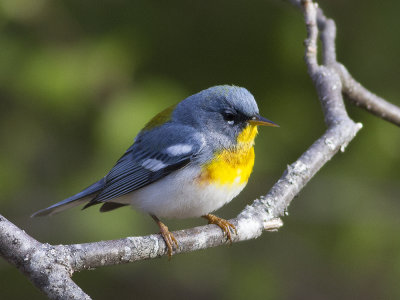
(258, 120)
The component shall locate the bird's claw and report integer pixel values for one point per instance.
(169, 239)
(226, 226)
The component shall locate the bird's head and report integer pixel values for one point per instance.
(228, 114)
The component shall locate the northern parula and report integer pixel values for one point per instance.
(188, 161)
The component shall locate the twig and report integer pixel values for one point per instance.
(360, 96)
(352, 89)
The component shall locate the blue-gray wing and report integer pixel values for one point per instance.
(154, 154)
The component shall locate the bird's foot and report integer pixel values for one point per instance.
(168, 237)
(226, 226)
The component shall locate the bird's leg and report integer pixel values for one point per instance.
(167, 236)
(226, 226)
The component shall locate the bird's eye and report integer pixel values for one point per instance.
(229, 118)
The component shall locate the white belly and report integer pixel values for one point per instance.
(179, 196)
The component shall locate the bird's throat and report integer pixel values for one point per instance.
(232, 166)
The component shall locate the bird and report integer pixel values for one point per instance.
(188, 161)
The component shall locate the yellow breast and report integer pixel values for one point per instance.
(232, 166)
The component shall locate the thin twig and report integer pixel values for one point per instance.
(352, 89)
(362, 97)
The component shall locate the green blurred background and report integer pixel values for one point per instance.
(78, 79)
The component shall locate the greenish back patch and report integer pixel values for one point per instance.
(160, 118)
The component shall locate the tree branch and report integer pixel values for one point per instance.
(50, 267)
(46, 266)
(352, 89)
(360, 96)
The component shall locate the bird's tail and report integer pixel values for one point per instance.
(84, 196)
